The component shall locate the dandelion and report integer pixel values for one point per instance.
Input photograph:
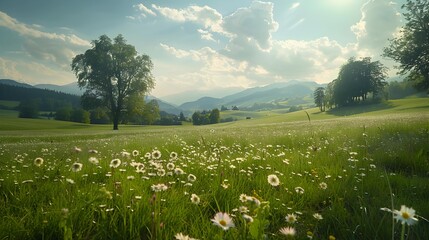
(317, 216)
(115, 163)
(323, 185)
(405, 215)
(93, 160)
(195, 199)
(299, 190)
(273, 180)
(223, 220)
(76, 167)
(192, 178)
(287, 231)
(291, 218)
(38, 161)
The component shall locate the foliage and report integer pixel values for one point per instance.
(206, 117)
(319, 98)
(411, 48)
(150, 112)
(111, 73)
(356, 79)
(28, 109)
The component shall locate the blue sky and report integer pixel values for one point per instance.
(199, 45)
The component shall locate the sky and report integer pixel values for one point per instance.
(201, 44)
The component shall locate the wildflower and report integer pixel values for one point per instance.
(331, 237)
(223, 220)
(288, 231)
(160, 172)
(178, 171)
(135, 153)
(148, 155)
(159, 187)
(115, 163)
(243, 197)
(299, 190)
(156, 154)
(323, 185)
(310, 234)
(92, 151)
(173, 155)
(243, 209)
(170, 166)
(195, 199)
(192, 178)
(93, 160)
(405, 215)
(247, 218)
(181, 236)
(38, 161)
(317, 216)
(71, 181)
(76, 167)
(131, 177)
(291, 218)
(273, 180)
(77, 150)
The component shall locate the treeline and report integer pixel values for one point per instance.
(206, 117)
(46, 100)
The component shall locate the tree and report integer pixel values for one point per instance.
(151, 112)
(28, 109)
(319, 98)
(111, 73)
(182, 117)
(356, 79)
(80, 116)
(411, 48)
(214, 116)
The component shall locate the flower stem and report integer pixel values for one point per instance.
(403, 232)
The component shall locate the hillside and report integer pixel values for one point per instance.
(273, 96)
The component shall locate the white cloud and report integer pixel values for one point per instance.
(144, 10)
(29, 31)
(206, 35)
(54, 48)
(209, 17)
(294, 5)
(380, 21)
(33, 72)
(254, 23)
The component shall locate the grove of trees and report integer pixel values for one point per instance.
(206, 117)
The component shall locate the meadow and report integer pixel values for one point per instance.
(336, 175)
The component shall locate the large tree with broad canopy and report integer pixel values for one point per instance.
(112, 73)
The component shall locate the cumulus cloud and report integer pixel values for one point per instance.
(46, 46)
(209, 17)
(144, 11)
(33, 72)
(380, 21)
(255, 23)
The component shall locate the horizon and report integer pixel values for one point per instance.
(199, 47)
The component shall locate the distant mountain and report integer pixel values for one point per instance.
(166, 107)
(189, 96)
(293, 92)
(71, 88)
(11, 82)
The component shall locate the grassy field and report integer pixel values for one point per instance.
(325, 178)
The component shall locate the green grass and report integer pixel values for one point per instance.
(228, 160)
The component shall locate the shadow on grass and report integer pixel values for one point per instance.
(359, 108)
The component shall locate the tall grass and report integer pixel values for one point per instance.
(342, 169)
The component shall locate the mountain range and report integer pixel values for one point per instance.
(276, 95)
